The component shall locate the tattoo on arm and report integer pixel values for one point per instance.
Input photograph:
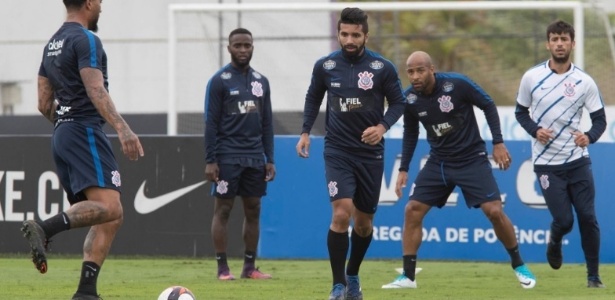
(46, 103)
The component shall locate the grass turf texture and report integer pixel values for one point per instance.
(145, 278)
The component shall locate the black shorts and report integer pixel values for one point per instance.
(240, 177)
(437, 179)
(356, 178)
(84, 158)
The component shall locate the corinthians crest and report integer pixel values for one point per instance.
(365, 80)
(257, 89)
(445, 104)
(569, 91)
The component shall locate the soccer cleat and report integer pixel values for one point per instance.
(38, 244)
(401, 282)
(595, 282)
(78, 296)
(338, 292)
(225, 275)
(554, 255)
(353, 289)
(254, 274)
(525, 277)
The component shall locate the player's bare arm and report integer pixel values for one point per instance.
(373, 135)
(501, 156)
(93, 81)
(402, 180)
(303, 146)
(46, 103)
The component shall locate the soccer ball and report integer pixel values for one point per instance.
(176, 293)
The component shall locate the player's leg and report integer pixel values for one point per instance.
(428, 190)
(341, 186)
(103, 212)
(554, 186)
(251, 234)
(224, 192)
(222, 212)
(582, 192)
(368, 178)
(479, 188)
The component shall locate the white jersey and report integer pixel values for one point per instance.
(556, 102)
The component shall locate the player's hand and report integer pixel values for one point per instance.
(402, 179)
(131, 146)
(373, 135)
(580, 138)
(544, 135)
(269, 172)
(303, 146)
(501, 156)
(212, 172)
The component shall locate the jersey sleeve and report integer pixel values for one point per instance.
(267, 135)
(524, 95)
(480, 98)
(88, 49)
(410, 138)
(213, 112)
(394, 96)
(314, 97)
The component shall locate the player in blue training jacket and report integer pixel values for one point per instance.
(73, 94)
(356, 81)
(239, 146)
(444, 104)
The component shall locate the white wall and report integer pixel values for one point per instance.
(134, 35)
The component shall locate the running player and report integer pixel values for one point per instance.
(73, 94)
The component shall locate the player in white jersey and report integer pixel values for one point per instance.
(550, 103)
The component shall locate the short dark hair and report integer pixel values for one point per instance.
(74, 3)
(239, 31)
(353, 15)
(560, 27)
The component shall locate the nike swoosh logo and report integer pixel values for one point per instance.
(489, 195)
(526, 283)
(544, 88)
(145, 205)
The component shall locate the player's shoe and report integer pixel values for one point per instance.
(595, 282)
(525, 277)
(78, 296)
(401, 282)
(225, 275)
(353, 288)
(554, 255)
(338, 292)
(38, 244)
(254, 274)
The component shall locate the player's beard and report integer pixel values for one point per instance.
(355, 54)
(241, 64)
(561, 59)
(93, 25)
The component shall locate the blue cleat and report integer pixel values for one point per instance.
(338, 292)
(353, 289)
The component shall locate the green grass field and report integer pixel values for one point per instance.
(145, 278)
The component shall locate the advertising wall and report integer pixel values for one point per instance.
(168, 209)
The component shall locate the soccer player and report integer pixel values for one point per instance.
(556, 92)
(73, 94)
(356, 81)
(443, 103)
(239, 146)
